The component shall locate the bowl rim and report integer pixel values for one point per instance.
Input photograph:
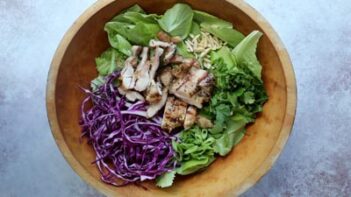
(252, 179)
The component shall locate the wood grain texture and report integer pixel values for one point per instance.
(73, 65)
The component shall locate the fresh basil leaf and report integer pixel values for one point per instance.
(177, 21)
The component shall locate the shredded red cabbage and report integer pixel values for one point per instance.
(128, 146)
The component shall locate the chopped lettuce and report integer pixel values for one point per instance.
(121, 44)
(166, 180)
(178, 20)
(194, 150)
(109, 61)
(97, 82)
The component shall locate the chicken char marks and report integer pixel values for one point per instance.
(154, 72)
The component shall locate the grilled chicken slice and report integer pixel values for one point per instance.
(203, 122)
(158, 43)
(127, 73)
(142, 72)
(154, 108)
(208, 81)
(142, 76)
(190, 117)
(169, 53)
(181, 70)
(136, 50)
(174, 114)
(155, 62)
(166, 76)
(154, 92)
(131, 95)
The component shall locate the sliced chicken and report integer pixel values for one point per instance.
(142, 72)
(169, 53)
(190, 117)
(127, 74)
(136, 50)
(208, 81)
(131, 95)
(166, 76)
(176, 39)
(176, 59)
(154, 108)
(187, 87)
(143, 77)
(155, 62)
(179, 71)
(204, 122)
(174, 115)
(158, 43)
(154, 92)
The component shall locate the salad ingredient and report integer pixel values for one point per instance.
(174, 114)
(166, 180)
(177, 21)
(218, 27)
(190, 117)
(153, 108)
(142, 72)
(134, 25)
(154, 92)
(128, 146)
(166, 76)
(109, 61)
(194, 150)
(245, 53)
(127, 74)
(155, 61)
(187, 88)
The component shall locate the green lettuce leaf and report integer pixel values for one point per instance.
(195, 29)
(177, 21)
(121, 44)
(245, 53)
(134, 26)
(109, 61)
(182, 50)
(97, 82)
(166, 180)
(194, 150)
(208, 19)
(229, 35)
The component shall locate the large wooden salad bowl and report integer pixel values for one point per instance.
(73, 66)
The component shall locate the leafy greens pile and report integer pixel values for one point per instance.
(239, 92)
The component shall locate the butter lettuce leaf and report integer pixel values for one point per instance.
(109, 61)
(177, 20)
(245, 53)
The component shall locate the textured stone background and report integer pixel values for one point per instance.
(315, 162)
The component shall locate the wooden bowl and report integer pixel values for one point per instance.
(73, 65)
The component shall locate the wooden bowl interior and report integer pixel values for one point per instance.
(227, 174)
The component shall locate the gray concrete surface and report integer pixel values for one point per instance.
(315, 162)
